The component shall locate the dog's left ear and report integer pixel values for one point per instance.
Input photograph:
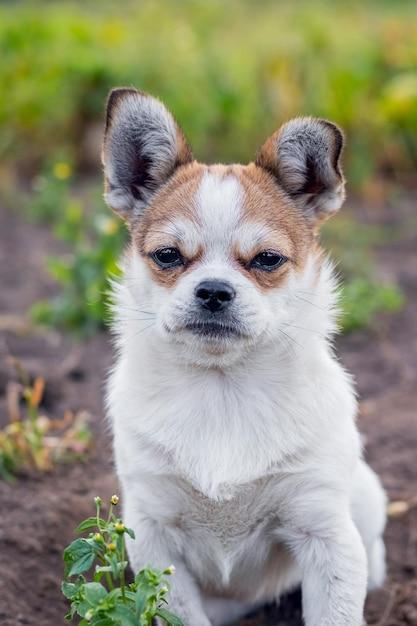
(143, 147)
(304, 157)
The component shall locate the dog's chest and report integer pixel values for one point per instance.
(233, 517)
(222, 538)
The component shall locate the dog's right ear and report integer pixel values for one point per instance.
(143, 146)
(304, 158)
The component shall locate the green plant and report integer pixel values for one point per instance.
(94, 240)
(50, 193)
(31, 440)
(107, 599)
(362, 300)
(363, 296)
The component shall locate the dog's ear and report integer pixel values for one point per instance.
(304, 157)
(143, 146)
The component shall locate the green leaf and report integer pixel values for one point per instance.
(130, 595)
(142, 596)
(114, 594)
(130, 532)
(69, 590)
(102, 621)
(82, 608)
(148, 576)
(123, 616)
(112, 560)
(76, 549)
(169, 617)
(90, 522)
(82, 564)
(94, 593)
(79, 556)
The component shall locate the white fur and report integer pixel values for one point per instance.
(241, 463)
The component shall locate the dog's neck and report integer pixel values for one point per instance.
(224, 426)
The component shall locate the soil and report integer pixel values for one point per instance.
(39, 513)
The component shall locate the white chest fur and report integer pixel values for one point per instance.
(219, 430)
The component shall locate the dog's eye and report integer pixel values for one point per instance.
(268, 260)
(167, 257)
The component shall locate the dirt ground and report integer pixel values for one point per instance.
(38, 514)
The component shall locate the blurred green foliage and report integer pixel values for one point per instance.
(351, 245)
(230, 72)
(93, 238)
(362, 299)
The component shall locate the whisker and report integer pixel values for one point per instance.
(308, 330)
(310, 303)
(290, 338)
(143, 329)
(135, 319)
(308, 293)
(135, 310)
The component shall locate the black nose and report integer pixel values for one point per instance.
(214, 295)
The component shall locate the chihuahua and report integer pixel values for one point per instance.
(234, 423)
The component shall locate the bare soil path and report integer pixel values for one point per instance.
(38, 514)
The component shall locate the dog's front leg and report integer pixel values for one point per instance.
(332, 559)
(152, 547)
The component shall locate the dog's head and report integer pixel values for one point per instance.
(218, 252)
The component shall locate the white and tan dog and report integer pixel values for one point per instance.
(234, 424)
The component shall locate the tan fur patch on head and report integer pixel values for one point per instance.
(287, 231)
(175, 200)
(266, 210)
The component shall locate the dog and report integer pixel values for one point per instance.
(234, 426)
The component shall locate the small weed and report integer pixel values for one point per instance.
(32, 441)
(107, 599)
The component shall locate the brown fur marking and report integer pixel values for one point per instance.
(176, 198)
(265, 204)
